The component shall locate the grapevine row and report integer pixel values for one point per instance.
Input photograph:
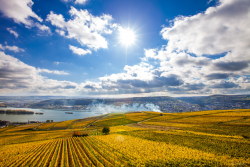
(68, 152)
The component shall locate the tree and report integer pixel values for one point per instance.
(105, 130)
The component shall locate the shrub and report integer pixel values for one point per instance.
(85, 134)
(105, 130)
(78, 134)
(75, 134)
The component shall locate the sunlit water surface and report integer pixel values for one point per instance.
(55, 115)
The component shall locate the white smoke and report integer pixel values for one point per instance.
(106, 108)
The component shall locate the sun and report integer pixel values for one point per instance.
(127, 36)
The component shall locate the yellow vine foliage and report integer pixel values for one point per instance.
(205, 119)
(144, 152)
(235, 113)
(46, 125)
(63, 125)
(138, 116)
(82, 124)
(23, 127)
(169, 124)
(123, 128)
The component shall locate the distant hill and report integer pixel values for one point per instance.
(155, 98)
(165, 103)
(2, 105)
(204, 100)
(27, 98)
(87, 101)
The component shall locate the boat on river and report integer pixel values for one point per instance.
(40, 113)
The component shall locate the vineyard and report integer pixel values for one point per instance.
(65, 152)
(206, 138)
(113, 150)
(62, 125)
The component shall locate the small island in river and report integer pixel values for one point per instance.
(15, 112)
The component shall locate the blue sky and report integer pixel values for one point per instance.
(121, 48)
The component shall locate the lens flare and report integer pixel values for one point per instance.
(127, 36)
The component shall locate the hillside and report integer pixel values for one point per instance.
(205, 138)
(88, 101)
(26, 99)
(155, 103)
(205, 100)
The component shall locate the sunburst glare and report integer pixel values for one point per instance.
(127, 36)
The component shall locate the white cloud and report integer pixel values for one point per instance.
(80, 1)
(56, 63)
(52, 71)
(209, 1)
(186, 63)
(219, 29)
(88, 85)
(76, 1)
(12, 48)
(13, 32)
(2, 47)
(84, 27)
(79, 51)
(185, 67)
(60, 32)
(43, 28)
(17, 77)
(183, 59)
(20, 11)
(149, 53)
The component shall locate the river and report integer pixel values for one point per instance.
(55, 115)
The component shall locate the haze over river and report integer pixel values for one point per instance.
(55, 115)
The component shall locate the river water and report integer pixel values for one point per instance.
(55, 115)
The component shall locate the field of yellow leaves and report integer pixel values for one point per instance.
(81, 124)
(143, 152)
(204, 138)
(111, 151)
(123, 128)
(23, 127)
(138, 116)
(63, 125)
(46, 125)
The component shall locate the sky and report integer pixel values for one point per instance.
(124, 48)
